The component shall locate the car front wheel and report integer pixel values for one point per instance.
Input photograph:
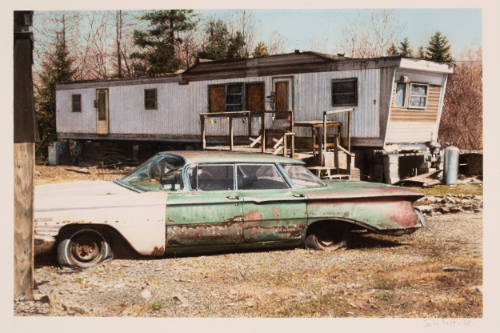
(82, 249)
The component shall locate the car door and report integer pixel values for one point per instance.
(272, 211)
(211, 214)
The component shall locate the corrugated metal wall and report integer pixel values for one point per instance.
(179, 106)
(313, 96)
(75, 122)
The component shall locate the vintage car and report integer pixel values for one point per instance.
(197, 201)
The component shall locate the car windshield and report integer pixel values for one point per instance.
(301, 177)
(161, 172)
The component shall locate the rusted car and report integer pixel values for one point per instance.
(197, 201)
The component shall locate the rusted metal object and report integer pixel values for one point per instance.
(214, 200)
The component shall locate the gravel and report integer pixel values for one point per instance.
(378, 276)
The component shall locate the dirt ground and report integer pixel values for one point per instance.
(434, 273)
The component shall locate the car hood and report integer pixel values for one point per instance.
(355, 189)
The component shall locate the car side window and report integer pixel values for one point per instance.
(259, 177)
(214, 178)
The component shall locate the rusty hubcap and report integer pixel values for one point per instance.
(86, 247)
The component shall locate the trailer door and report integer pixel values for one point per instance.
(102, 107)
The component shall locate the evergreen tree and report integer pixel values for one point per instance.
(56, 68)
(392, 51)
(260, 50)
(421, 52)
(159, 42)
(236, 46)
(404, 48)
(439, 48)
(221, 45)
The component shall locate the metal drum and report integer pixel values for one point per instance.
(450, 172)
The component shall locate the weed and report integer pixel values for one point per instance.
(157, 306)
(324, 305)
(384, 295)
(382, 283)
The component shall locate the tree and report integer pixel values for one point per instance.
(276, 43)
(220, 44)
(421, 52)
(370, 34)
(55, 68)
(393, 50)
(158, 44)
(462, 119)
(439, 49)
(260, 50)
(405, 49)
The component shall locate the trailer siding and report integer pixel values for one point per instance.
(408, 125)
(179, 106)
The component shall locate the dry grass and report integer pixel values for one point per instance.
(460, 189)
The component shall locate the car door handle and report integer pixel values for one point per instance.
(233, 197)
(298, 195)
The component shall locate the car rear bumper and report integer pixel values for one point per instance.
(405, 231)
(43, 243)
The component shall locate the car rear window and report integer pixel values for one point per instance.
(259, 177)
(301, 176)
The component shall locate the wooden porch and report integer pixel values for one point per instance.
(326, 152)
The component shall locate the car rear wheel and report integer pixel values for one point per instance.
(327, 236)
(83, 248)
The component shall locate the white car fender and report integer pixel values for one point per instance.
(138, 217)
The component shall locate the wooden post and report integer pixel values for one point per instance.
(231, 138)
(263, 130)
(249, 119)
(323, 150)
(293, 135)
(23, 219)
(284, 144)
(25, 135)
(313, 132)
(349, 131)
(336, 154)
(203, 132)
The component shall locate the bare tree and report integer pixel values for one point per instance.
(188, 49)
(370, 34)
(48, 27)
(462, 118)
(276, 43)
(244, 22)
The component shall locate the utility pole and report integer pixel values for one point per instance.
(25, 135)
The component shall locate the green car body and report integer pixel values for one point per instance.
(236, 217)
(196, 201)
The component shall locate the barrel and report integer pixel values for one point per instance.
(450, 172)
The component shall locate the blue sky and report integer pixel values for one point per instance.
(304, 28)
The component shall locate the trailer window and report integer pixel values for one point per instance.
(150, 99)
(236, 96)
(76, 101)
(345, 92)
(418, 96)
(399, 99)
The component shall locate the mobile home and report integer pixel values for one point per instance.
(397, 102)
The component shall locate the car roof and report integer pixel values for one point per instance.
(202, 156)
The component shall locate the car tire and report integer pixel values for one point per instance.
(324, 238)
(82, 249)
